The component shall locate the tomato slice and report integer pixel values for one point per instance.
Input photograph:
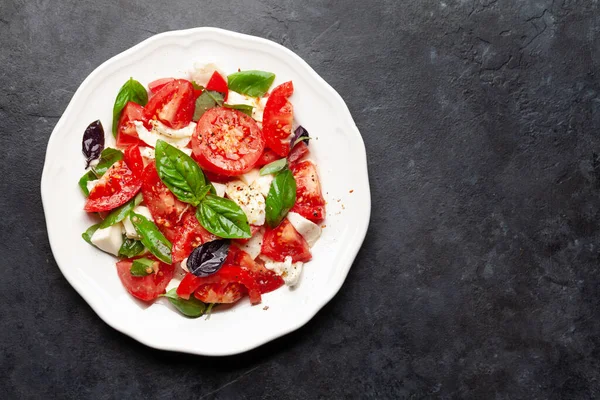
(158, 84)
(165, 208)
(126, 133)
(267, 280)
(267, 157)
(218, 84)
(299, 151)
(285, 241)
(173, 104)
(277, 119)
(220, 293)
(226, 275)
(118, 185)
(147, 287)
(190, 235)
(309, 197)
(227, 142)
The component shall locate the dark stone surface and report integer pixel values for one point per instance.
(479, 276)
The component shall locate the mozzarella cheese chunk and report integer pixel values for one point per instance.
(130, 231)
(258, 111)
(254, 245)
(203, 72)
(263, 184)
(236, 98)
(219, 188)
(91, 184)
(290, 272)
(250, 176)
(108, 239)
(250, 200)
(177, 137)
(308, 229)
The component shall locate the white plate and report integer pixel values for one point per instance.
(338, 148)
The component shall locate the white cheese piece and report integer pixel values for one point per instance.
(250, 200)
(254, 245)
(91, 185)
(130, 231)
(249, 177)
(183, 265)
(308, 229)
(263, 184)
(147, 152)
(236, 98)
(259, 109)
(179, 138)
(219, 188)
(203, 72)
(290, 272)
(108, 239)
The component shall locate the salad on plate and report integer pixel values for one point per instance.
(210, 190)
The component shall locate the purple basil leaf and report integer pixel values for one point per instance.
(93, 142)
(208, 258)
(299, 133)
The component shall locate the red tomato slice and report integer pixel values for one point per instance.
(299, 151)
(126, 133)
(285, 241)
(227, 142)
(309, 198)
(173, 104)
(267, 280)
(267, 157)
(190, 235)
(117, 186)
(218, 84)
(220, 293)
(147, 287)
(158, 84)
(277, 119)
(165, 208)
(226, 275)
(133, 159)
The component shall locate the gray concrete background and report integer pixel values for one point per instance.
(479, 275)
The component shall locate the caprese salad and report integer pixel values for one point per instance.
(210, 189)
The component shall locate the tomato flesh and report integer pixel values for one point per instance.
(226, 275)
(220, 293)
(227, 142)
(299, 151)
(173, 104)
(147, 287)
(126, 132)
(167, 211)
(277, 119)
(158, 84)
(309, 197)
(118, 185)
(190, 234)
(267, 280)
(218, 84)
(284, 241)
(267, 157)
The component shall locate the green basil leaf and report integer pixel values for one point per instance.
(197, 87)
(87, 235)
(223, 217)
(108, 157)
(142, 267)
(274, 167)
(132, 90)
(245, 108)
(208, 99)
(152, 238)
(131, 248)
(180, 173)
(281, 197)
(121, 212)
(83, 181)
(251, 83)
(192, 308)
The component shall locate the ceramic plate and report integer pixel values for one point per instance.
(338, 148)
